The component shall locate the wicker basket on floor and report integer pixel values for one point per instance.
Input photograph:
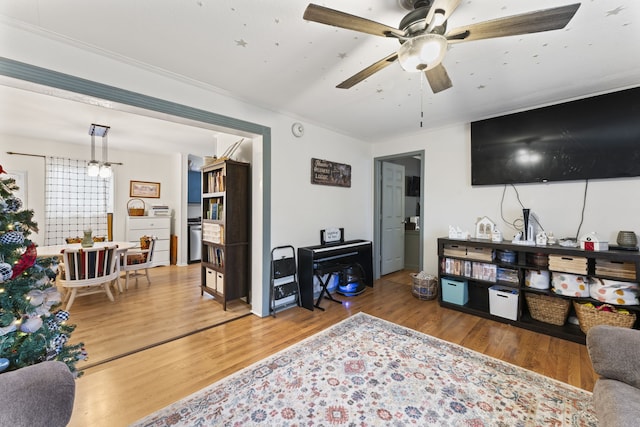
(548, 309)
(424, 289)
(590, 316)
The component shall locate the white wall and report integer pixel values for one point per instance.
(449, 198)
(298, 209)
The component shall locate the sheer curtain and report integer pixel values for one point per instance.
(74, 201)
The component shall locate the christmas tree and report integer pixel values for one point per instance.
(31, 329)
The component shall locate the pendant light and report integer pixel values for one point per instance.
(95, 168)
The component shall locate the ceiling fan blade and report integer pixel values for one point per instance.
(324, 15)
(526, 23)
(371, 69)
(438, 78)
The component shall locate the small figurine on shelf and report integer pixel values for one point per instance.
(457, 233)
(496, 235)
(541, 239)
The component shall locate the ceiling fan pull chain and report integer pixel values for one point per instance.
(421, 98)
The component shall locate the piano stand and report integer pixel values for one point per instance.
(321, 271)
(313, 260)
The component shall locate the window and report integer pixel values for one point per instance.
(74, 201)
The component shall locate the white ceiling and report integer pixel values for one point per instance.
(262, 51)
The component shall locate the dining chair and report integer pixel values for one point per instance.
(138, 259)
(88, 271)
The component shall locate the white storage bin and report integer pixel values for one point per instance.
(503, 302)
(210, 279)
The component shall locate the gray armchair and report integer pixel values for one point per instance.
(37, 395)
(615, 355)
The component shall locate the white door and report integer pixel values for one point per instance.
(392, 236)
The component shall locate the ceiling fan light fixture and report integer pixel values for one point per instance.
(422, 52)
(438, 18)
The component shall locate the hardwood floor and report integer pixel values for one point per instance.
(148, 314)
(121, 391)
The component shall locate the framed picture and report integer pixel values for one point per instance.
(144, 189)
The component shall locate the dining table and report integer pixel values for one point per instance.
(53, 251)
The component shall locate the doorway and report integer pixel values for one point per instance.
(49, 82)
(386, 250)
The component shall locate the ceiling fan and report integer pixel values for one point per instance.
(424, 38)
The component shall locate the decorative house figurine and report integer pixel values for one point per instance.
(592, 242)
(457, 233)
(484, 228)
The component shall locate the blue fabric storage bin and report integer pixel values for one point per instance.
(454, 291)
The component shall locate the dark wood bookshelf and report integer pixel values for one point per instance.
(225, 231)
(478, 289)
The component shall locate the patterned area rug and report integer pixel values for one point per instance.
(366, 371)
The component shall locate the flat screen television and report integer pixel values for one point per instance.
(591, 138)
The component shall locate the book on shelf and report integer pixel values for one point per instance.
(215, 209)
(216, 256)
(216, 181)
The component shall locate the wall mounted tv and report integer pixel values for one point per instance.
(591, 138)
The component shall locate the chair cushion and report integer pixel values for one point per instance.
(145, 242)
(136, 258)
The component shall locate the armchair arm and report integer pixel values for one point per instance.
(37, 395)
(615, 353)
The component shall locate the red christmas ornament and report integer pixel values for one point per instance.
(27, 259)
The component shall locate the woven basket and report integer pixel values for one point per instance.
(589, 316)
(548, 309)
(424, 289)
(135, 210)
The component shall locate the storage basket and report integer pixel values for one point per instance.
(548, 309)
(424, 289)
(590, 316)
(134, 208)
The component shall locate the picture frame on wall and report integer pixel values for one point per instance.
(144, 189)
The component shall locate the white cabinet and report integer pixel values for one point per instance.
(158, 226)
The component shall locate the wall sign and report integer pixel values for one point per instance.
(324, 172)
